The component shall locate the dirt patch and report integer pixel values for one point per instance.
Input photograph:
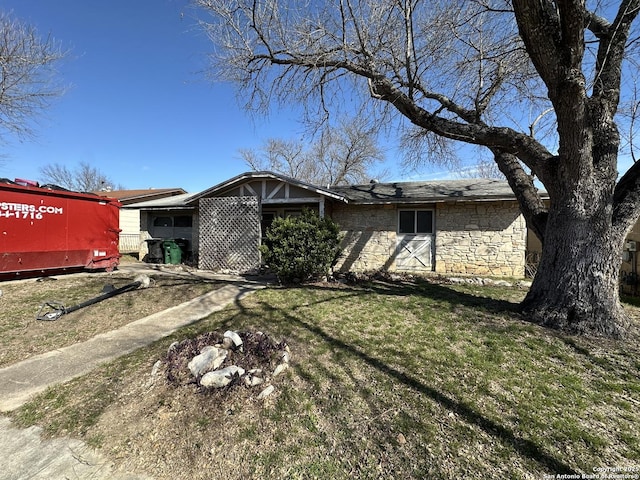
(258, 352)
(22, 336)
(176, 428)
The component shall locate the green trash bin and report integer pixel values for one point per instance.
(172, 252)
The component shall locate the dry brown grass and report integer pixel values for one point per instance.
(22, 336)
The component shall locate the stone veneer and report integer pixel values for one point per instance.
(474, 238)
(369, 241)
(480, 238)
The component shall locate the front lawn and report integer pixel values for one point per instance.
(23, 336)
(388, 380)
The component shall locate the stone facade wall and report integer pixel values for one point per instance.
(474, 238)
(480, 238)
(369, 241)
(629, 282)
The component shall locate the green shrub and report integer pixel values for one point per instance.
(301, 248)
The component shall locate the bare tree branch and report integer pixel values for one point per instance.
(83, 178)
(346, 153)
(27, 75)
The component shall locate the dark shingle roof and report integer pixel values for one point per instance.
(372, 193)
(434, 191)
(175, 201)
(140, 195)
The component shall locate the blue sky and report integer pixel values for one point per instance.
(138, 106)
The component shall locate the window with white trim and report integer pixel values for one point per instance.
(415, 221)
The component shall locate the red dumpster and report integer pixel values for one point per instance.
(43, 230)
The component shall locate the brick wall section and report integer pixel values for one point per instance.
(475, 238)
(480, 238)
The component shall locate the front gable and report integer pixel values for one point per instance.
(271, 189)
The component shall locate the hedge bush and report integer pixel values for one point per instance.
(299, 249)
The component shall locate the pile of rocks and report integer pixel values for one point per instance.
(235, 359)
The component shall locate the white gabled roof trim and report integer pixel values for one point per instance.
(244, 177)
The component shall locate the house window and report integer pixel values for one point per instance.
(183, 221)
(415, 221)
(162, 222)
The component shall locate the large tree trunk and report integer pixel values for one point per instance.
(576, 286)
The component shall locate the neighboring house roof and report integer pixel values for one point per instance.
(127, 197)
(244, 177)
(176, 202)
(420, 192)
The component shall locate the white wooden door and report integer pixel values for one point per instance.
(415, 252)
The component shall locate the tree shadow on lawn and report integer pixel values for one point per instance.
(523, 446)
(444, 293)
(444, 296)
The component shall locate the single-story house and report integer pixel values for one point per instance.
(449, 227)
(130, 218)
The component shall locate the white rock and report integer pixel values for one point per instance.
(221, 378)
(251, 380)
(155, 374)
(156, 368)
(215, 379)
(266, 392)
(234, 369)
(285, 356)
(235, 338)
(144, 281)
(210, 358)
(280, 368)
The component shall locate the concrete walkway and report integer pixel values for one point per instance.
(23, 454)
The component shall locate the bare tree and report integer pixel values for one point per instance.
(287, 157)
(340, 155)
(481, 72)
(482, 169)
(83, 178)
(27, 75)
(348, 153)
